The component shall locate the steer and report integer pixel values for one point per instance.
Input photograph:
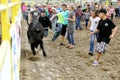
(35, 36)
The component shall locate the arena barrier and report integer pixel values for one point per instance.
(10, 47)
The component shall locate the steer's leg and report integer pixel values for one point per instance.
(33, 48)
(42, 47)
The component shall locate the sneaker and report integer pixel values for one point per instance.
(95, 63)
(91, 54)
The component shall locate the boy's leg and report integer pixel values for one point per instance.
(96, 62)
(76, 23)
(91, 44)
(100, 49)
(63, 32)
(55, 36)
(58, 32)
(98, 56)
(79, 23)
(87, 21)
(62, 38)
(53, 25)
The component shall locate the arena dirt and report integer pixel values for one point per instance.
(69, 64)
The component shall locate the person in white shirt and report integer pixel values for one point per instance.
(93, 23)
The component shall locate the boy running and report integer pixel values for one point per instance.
(107, 30)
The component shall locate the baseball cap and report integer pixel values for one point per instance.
(43, 10)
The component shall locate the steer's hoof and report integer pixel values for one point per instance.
(45, 55)
(34, 53)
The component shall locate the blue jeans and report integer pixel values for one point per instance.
(45, 32)
(58, 27)
(78, 22)
(57, 31)
(70, 38)
(86, 22)
(92, 38)
(54, 24)
(25, 15)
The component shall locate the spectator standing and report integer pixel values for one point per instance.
(71, 28)
(24, 11)
(87, 16)
(93, 23)
(78, 15)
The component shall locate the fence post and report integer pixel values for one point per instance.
(5, 22)
(7, 58)
(13, 12)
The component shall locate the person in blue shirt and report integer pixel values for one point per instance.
(58, 9)
(65, 14)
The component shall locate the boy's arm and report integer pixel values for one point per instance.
(113, 32)
(53, 17)
(96, 31)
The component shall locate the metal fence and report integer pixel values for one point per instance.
(9, 61)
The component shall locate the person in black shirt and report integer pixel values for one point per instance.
(107, 30)
(45, 21)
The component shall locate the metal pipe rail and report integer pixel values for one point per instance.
(10, 5)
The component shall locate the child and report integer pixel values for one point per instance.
(58, 25)
(61, 20)
(45, 21)
(93, 23)
(71, 28)
(87, 16)
(54, 21)
(107, 30)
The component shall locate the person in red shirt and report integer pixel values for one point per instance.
(78, 15)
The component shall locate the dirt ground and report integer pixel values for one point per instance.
(69, 64)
